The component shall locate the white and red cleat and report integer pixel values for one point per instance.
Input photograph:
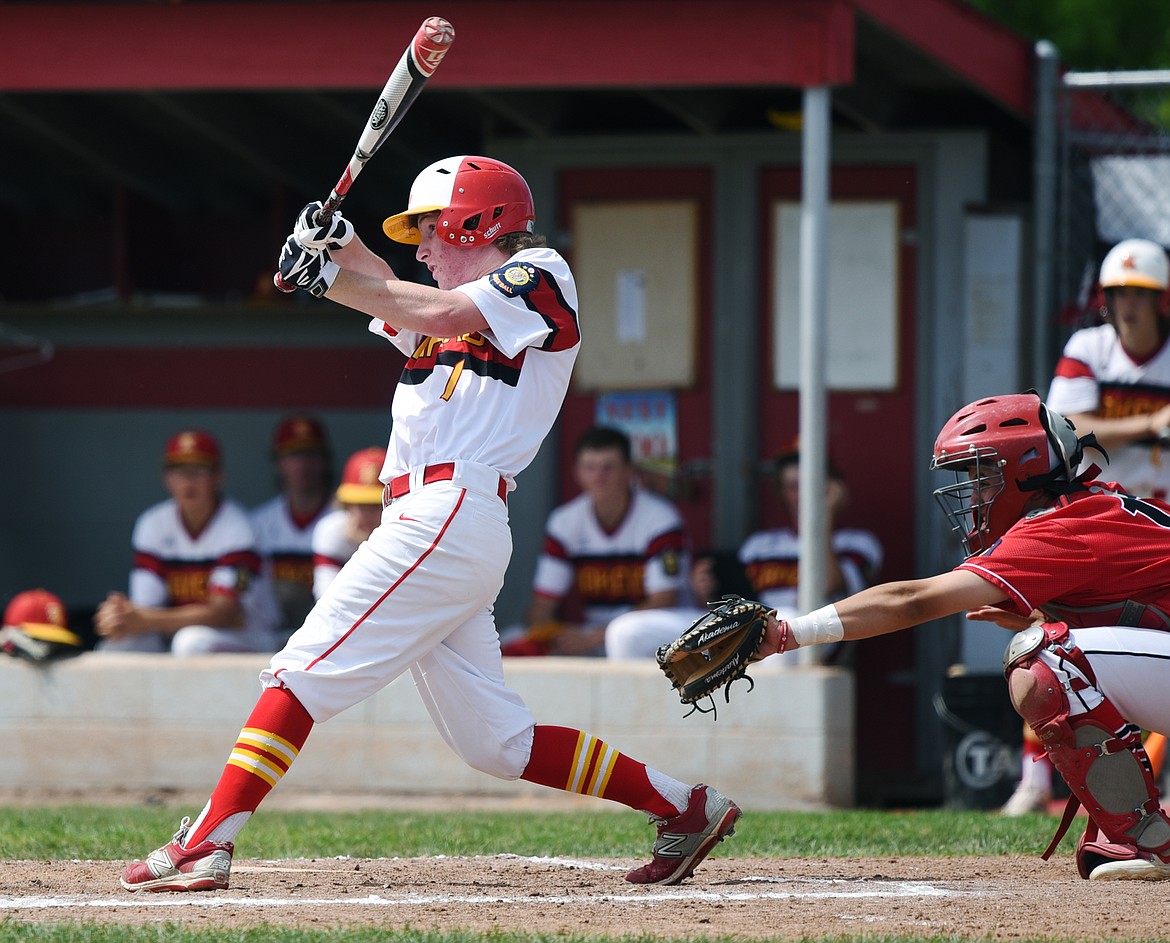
(204, 867)
(687, 838)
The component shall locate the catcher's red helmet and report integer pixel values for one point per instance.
(1002, 449)
(478, 199)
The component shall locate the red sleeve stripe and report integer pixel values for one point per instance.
(554, 548)
(550, 304)
(671, 540)
(1072, 369)
(319, 559)
(242, 560)
(150, 563)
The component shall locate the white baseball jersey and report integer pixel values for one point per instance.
(772, 561)
(418, 594)
(613, 571)
(285, 545)
(1096, 375)
(173, 567)
(332, 548)
(470, 397)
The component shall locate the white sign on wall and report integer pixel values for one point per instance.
(862, 296)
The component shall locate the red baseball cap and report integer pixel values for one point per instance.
(192, 447)
(300, 434)
(40, 614)
(359, 480)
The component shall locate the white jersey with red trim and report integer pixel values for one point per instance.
(332, 548)
(418, 595)
(492, 398)
(1096, 375)
(613, 571)
(771, 559)
(173, 567)
(285, 545)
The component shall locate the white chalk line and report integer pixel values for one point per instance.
(802, 888)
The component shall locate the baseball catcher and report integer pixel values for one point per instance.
(715, 651)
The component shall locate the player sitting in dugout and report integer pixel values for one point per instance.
(770, 560)
(340, 532)
(614, 548)
(196, 586)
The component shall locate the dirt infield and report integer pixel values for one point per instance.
(1000, 898)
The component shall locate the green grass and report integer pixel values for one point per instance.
(116, 833)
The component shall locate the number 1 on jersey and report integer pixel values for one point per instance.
(449, 389)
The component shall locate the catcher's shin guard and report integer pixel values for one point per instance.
(1098, 752)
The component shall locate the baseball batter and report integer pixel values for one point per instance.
(1040, 537)
(489, 355)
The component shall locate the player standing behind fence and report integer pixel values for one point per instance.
(1113, 380)
(489, 355)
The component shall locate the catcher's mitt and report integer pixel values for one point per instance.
(716, 650)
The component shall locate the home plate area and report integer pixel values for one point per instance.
(740, 897)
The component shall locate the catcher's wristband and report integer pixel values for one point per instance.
(818, 627)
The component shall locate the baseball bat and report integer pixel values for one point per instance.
(419, 61)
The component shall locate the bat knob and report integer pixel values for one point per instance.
(282, 284)
(439, 31)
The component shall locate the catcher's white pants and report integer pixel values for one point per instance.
(1131, 666)
(418, 595)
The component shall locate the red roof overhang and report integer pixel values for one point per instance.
(983, 53)
(502, 44)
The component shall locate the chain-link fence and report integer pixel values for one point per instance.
(1107, 149)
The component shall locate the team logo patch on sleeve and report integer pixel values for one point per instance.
(515, 278)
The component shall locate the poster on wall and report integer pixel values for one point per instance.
(650, 419)
(636, 263)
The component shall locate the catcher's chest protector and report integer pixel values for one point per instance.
(1098, 752)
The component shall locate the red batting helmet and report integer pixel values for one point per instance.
(478, 199)
(1002, 449)
(41, 615)
(359, 480)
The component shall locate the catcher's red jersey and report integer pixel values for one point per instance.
(1098, 557)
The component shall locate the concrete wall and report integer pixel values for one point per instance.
(103, 722)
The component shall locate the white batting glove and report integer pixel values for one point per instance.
(310, 269)
(335, 234)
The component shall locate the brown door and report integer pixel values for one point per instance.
(871, 438)
(690, 491)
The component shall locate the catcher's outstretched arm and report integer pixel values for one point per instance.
(885, 608)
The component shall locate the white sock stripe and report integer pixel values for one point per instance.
(269, 744)
(577, 782)
(604, 765)
(240, 758)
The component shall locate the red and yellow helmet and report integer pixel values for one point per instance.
(478, 199)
